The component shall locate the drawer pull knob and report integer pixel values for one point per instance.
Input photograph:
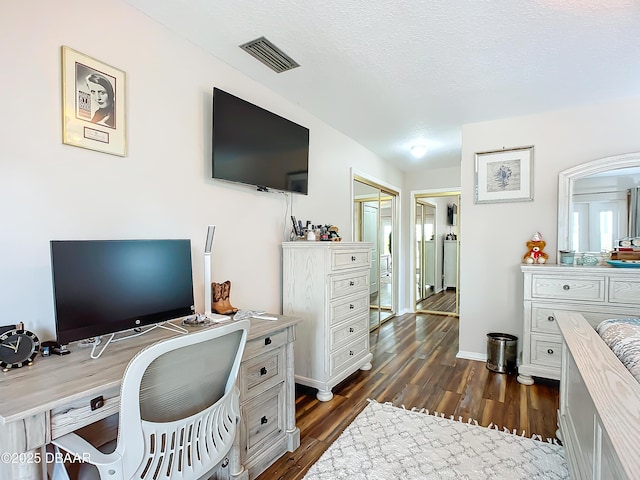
(550, 318)
(566, 287)
(263, 371)
(267, 341)
(550, 351)
(96, 403)
(351, 330)
(351, 306)
(351, 283)
(264, 420)
(353, 258)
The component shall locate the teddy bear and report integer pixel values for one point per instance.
(536, 246)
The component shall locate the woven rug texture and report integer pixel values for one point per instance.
(386, 442)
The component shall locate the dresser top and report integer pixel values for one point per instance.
(307, 244)
(578, 269)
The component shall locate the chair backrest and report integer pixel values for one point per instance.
(179, 405)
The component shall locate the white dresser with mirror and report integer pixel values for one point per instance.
(597, 292)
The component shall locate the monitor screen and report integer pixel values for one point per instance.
(254, 146)
(105, 286)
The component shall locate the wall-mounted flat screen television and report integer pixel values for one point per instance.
(106, 286)
(256, 147)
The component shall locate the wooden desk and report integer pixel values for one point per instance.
(52, 397)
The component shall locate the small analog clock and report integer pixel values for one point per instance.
(17, 348)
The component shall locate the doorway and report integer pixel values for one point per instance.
(436, 252)
(374, 220)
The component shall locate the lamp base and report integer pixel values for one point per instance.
(216, 318)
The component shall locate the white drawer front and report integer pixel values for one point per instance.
(545, 351)
(264, 417)
(346, 308)
(624, 290)
(346, 356)
(68, 418)
(348, 259)
(341, 285)
(258, 346)
(261, 373)
(349, 331)
(568, 288)
(541, 312)
(544, 320)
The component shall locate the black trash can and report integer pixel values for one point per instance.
(502, 350)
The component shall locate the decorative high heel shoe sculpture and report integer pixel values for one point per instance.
(220, 298)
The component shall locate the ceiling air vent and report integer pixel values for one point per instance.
(270, 55)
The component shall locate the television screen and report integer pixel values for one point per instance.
(254, 146)
(105, 286)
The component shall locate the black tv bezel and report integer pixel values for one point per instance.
(263, 187)
(67, 336)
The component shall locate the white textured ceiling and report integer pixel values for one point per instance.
(392, 73)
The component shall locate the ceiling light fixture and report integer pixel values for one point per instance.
(418, 151)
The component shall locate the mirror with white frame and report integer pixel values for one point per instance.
(598, 204)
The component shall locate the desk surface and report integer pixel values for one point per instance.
(57, 380)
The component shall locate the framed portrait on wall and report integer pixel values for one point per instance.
(504, 175)
(93, 104)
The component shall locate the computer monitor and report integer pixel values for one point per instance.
(106, 286)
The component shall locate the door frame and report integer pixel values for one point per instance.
(437, 192)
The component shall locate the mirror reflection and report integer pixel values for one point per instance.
(374, 222)
(604, 209)
(437, 246)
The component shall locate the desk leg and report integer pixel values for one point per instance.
(24, 471)
(293, 432)
(22, 456)
(236, 468)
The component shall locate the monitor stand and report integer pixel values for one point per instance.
(167, 325)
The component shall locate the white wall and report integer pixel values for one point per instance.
(494, 235)
(163, 187)
(429, 178)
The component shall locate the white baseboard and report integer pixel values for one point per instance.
(482, 357)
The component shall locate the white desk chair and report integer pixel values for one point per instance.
(179, 408)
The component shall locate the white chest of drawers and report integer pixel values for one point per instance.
(597, 293)
(327, 285)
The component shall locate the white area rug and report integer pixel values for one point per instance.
(386, 442)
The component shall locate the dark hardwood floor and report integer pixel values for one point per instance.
(444, 301)
(415, 365)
